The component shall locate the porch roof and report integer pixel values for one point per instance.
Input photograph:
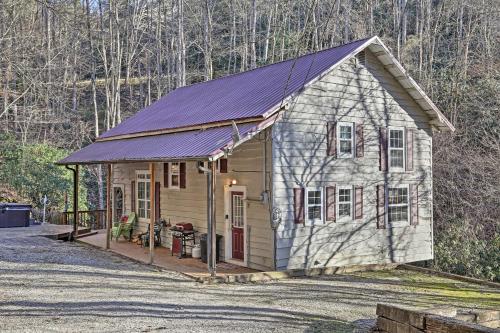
(196, 144)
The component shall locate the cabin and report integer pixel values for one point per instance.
(320, 161)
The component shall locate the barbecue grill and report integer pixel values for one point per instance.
(182, 235)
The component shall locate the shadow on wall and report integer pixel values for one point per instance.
(302, 161)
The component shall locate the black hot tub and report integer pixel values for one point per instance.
(14, 215)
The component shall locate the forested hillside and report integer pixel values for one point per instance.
(73, 69)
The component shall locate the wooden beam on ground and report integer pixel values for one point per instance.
(151, 212)
(109, 217)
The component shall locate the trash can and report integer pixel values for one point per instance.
(203, 245)
(14, 215)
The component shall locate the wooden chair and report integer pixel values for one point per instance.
(124, 227)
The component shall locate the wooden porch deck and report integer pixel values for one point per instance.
(163, 258)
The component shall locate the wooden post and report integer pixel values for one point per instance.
(109, 212)
(211, 232)
(75, 201)
(151, 212)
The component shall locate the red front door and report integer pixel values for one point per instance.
(238, 224)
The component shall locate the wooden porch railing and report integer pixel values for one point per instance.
(94, 219)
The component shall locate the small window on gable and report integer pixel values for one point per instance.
(361, 58)
(396, 148)
(345, 140)
(344, 203)
(397, 203)
(314, 205)
(174, 175)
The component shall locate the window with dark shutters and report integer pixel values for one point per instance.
(360, 145)
(381, 206)
(132, 196)
(165, 174)
(383, 149)
(298, 202)
(330, 206)
(358, 202)
(331, 139)
(409, 149)
(182, 175)
(414, 204)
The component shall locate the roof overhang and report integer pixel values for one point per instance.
(203, 144)
(392, 65)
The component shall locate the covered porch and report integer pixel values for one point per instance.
(185, 170)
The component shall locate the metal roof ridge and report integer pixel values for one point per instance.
(274, 63)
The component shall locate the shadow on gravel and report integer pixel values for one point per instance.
(172, 312)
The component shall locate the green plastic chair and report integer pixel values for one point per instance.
(124, 228)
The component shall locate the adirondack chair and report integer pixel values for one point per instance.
(124, 227)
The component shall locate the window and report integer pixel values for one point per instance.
(344, 203)
(143, 194)
(314, 205)
(397, 202)
(174, 175)
(345, 140)
(396, 148)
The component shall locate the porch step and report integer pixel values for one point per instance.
(91, 233)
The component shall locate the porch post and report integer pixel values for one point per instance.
(109, 211)
(151, 212)
(76, 179)
(211, 227)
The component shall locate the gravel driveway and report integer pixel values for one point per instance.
(55, 286)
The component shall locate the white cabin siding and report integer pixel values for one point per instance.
(367, 94)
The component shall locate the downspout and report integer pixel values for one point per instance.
(270, 201)
(75, 201)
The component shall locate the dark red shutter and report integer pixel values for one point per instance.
(157, 200)
(331, 203)
(182, 174)
(132, 197)
(414, 204)
(358, 202)
(298, 203)
(165, 174)
(331, 139)
(381, 206)
(223, 165)
(360, 145)
(383, 149)
(409, 149)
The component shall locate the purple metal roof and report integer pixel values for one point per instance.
(238, 96)
(179, 145)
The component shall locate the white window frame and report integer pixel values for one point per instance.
(145, 180)
(321, 205)
(339, 153)
(408, 203)
(389, 149)
(337, 204)
(170, 174)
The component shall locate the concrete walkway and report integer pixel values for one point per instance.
(52, 286)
